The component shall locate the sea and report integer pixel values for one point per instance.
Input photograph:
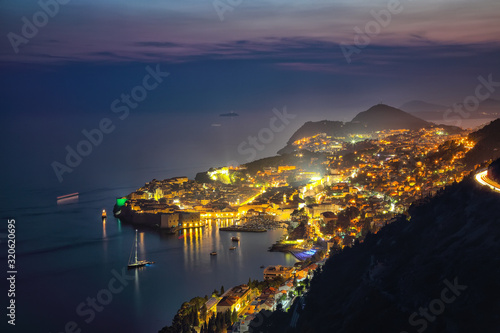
(71, 267)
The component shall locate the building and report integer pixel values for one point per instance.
(236, 299)
(315, 210)
(328, 216)
(272, 272)
(211, 305)
(181, 219)
(188, 219)
(169, 220)
(228, 303)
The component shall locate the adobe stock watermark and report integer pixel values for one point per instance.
(30, 28)
(223, 6)
(420, 320)
(87, 310)
(265, 136)
(372, 28)
(121, 106)
(483, 91)
(259, 319)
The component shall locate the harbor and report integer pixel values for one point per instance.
(88, 252)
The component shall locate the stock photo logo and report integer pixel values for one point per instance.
(31, 26)
(425, 315)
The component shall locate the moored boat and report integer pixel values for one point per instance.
(134, 263)
(235, 239)
(213, 253)
(232, 248)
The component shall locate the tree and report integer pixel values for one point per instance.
(196, 319)
(279, 307)
(306, 282)
(234, 316)
(203, 313)
(212, 327)
(222, 290)
(310, 200)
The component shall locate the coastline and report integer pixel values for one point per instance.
(242, 229)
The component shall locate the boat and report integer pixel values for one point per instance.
(213, 253)
(103, 214)
(137, 263)
(232, 248)
(262, 266)
(68, 198)
(235, 239)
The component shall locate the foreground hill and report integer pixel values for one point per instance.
(310, 128)
(487, 144)
(436, 271)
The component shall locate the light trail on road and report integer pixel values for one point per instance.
(482, 178)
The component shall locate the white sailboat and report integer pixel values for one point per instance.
(133, 262)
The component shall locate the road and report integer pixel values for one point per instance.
(482, 178)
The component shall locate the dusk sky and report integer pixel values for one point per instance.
(429, 49)
(242, 56)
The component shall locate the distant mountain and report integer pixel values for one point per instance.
(421, 106)
(377, 118)
(424, 110)
(489, 108)
(384, 117)
(487, 144)
(437, 273)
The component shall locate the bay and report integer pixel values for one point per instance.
(68, 261)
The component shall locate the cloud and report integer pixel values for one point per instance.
(190, 30)
(158, 44)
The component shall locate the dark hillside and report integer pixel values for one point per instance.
(386, 283)
(487, 144)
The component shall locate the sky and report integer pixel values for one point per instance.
(321, 59)
(425, 49)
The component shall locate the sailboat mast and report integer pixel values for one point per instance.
(136, 245)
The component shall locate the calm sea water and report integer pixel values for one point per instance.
(66, 255)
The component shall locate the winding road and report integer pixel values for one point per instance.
(482, 178)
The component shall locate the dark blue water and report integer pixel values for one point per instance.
(66, 254)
